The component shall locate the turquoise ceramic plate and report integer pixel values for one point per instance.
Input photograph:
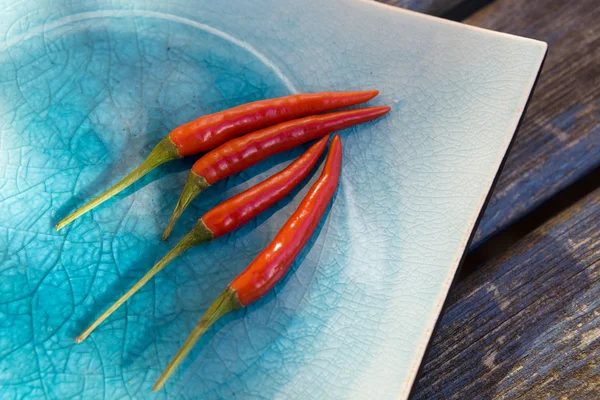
(88, 87)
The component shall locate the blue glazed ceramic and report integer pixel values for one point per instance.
(88, 87)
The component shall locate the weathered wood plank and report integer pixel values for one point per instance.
(559, 140)
(432, 7)
(527, 325)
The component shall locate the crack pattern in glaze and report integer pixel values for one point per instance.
(85, 96)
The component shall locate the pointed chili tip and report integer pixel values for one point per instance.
(373, 93)
(373, 112)
(363, 96)
(321, 143)
(384, 109)
(335, 152)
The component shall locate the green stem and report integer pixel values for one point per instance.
(225, 303)
(194, 185)
(199, 234)
(164, 151)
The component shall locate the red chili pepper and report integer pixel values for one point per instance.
(274, 261)
(210, 131)
(243, 152)
(228, 216)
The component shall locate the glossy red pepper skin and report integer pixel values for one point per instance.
(210, 131)
(274, 261)
(228, 216)
(243, 207)
(243, 152)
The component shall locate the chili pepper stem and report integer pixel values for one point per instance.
(164, 151)
(224, 304)
(194, 185)
(199, 234)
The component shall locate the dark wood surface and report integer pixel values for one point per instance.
(432, 7)
(559, 139)
(527, 325)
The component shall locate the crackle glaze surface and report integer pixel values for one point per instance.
(87, 88)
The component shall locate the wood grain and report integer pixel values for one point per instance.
(527, 325)
(559, 140)
(432, 7)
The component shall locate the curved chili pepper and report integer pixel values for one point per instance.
(228, 216)
(274, 261)
(210, 131)
(243, 152)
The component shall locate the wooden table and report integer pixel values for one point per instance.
(523, 319)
